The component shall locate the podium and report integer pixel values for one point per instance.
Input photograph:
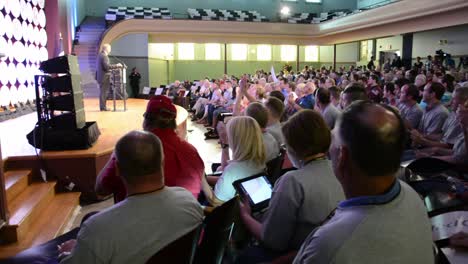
(118, 89)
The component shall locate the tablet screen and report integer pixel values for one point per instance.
(259, 189)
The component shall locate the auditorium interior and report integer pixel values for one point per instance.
(359, 111)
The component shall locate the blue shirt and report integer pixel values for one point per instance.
(374, 199)
(307, 102)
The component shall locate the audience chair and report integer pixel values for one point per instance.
(181, 251)
(274, 167)
(216, 234)
(429, 166)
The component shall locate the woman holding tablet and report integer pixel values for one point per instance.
(248, 158)
(301, 199)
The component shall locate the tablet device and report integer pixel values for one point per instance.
(258, 189)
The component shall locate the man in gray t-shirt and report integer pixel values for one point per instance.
(328, 111)
(435, 113)
(383, 220)
(150, 218)
(409, 108)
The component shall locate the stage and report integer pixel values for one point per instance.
(79, 167)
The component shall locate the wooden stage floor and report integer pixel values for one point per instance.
(112, 125)
(79, 167)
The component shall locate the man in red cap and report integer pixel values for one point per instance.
(183, 166)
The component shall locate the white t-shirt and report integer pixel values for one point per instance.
(234, 171)
(133, 230)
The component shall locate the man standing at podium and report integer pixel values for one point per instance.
(103, 75)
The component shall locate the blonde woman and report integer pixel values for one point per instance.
(248, 158)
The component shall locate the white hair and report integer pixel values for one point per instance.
(105, 47)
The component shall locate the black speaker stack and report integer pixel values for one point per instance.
(60, 109)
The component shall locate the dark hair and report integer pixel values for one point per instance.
(390, 87)
(448, 80)
(375, 78)
(155, 120)
(335, 92)
(138, 153)
(277, 94)
(258, 112)
(323, 96)
(306, 133)
(375, 151)
(401, 82)
(438, 89)
(275, 106)
(413, 91)
(356, 91)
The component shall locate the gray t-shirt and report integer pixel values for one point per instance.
(433, 119)
(451, 129)
(459, 150)
(138, 227)
(301, 200)
(272, 147)
(330, 115)
(398, 231)
(275, 131)
(412, 114)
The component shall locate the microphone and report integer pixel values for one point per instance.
(119, 60)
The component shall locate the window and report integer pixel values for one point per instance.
(212, 51)
(186, 51)
(288, 53)
(311, 53)
(264, 52)
(239, 52)
(163, 51)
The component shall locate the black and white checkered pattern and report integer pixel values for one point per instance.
(310, 18)
(226, 15)
(126, 12)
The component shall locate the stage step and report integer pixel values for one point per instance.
(25, 208)
(48, 224)
(15, 182)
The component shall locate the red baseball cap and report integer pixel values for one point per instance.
(161, 105)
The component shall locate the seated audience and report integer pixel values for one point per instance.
(374, 92)
(259, 112)
(389, 96)
(434, 114)
(301, 198)
(151, 217)
(335, 93)
(328, 111)
(275, 109)
(352, 93)
(383, 220)
(248, 158)
(410, 111)
(451, 129)
(183, 166)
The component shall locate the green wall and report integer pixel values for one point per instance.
(162, 71)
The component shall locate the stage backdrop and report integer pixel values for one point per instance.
(23, 39)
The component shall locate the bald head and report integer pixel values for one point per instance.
(375, 137)
(139, 157)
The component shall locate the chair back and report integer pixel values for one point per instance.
(274, 167)
(181, 251)
(216, 233)
(427, 167)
